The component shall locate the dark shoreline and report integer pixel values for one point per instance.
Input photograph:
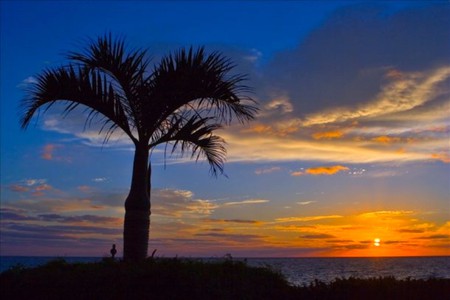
(174, 278)
(300, 270)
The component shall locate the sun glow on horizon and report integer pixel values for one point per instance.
(376, 242)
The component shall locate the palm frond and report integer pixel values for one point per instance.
(127, 68)
(75, 86)
(194, 135)
(202, 81)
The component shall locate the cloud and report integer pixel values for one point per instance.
(435, 237)
(43, 187)
(58, 231)
(48, 153)
(32, 182)
(331, 170)
(386, 214)
(27, 82)
(38, 191)
(386, 139)
(85, 188)
(177, 203)
(18, 188)
(254, 56)
(94, 219)
(306, 219)
(317, 236)
(443, 157)
(267, 170)
(8, 214)
(61, 204)
(398, 96)
(245, 202)
(75, 125)
(328, 135)
(237, 221)
(306, 202)
(278, 105)
(36, 187)
(240, 238)
(99, 179)
(411, 230)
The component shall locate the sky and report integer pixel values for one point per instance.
(348, 156)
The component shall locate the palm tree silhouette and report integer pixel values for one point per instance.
(180, 102)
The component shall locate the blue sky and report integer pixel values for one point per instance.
(351, 142)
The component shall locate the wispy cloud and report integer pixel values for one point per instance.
(306, 219)
(99, 179)
(387, 214)
(403, 94)
(35, 187)
(27, 81)
(267, 170)
(324, 170)
(178, 203)
(328, 135)
(306, 202)
(245, 202)
(317, 236)
(48, 153)
(18, 188)
(236, 221)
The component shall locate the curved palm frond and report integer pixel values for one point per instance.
(127, 68)
(77, 86)
(201, 81)
(195, 135)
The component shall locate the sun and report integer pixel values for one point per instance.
(376, 242)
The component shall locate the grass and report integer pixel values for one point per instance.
(174, 278)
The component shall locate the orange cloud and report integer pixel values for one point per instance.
(321, 171)
(259, 128)
(47, 152)
(39, 190)
(384, 139)
(297, 173)
(327, 135)
(237, 221)
(444, 157)
(85, 188)
(394, 74)
(306, 219)
(18, 188)
(43, 187)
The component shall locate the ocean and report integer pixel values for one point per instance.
(302, 271)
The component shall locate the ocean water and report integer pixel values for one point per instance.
(302, 271)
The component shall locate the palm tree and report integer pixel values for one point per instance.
(180, 102)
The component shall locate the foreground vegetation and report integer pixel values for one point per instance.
(194, 279)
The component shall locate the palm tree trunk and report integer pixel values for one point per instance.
(137, 209)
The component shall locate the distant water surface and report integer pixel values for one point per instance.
(300, 271)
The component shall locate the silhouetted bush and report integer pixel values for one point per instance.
(175, 278)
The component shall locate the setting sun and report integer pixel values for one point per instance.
(376, 242)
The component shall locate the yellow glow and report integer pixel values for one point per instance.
(328, 135)
(376, 242)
